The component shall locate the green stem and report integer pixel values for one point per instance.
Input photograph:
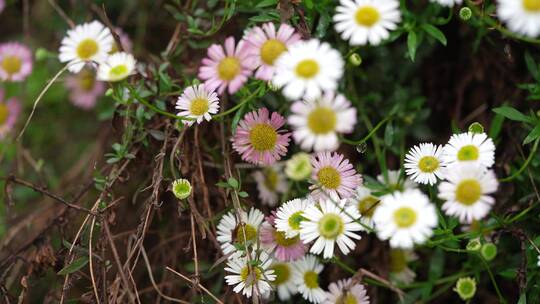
(152, 107)
(501, 298)
(527, 161)
(239, 105)
(369, 135)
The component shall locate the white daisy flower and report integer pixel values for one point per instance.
(366, 21)
(521, 16)
(346, 292)
(469, 147)
(289, 216)
(405, 218)
(394, 181)
(329, 223)
(116, 67)
(366, 204)
(316, 123)
(467, 190)
(424, 163)
(448, 3)
(306, 278)
(399, 268)
(230, 231)
(284, 283)
(248, 278)
(197, 102)
(86, 43)
(307, 69)
(270, 182)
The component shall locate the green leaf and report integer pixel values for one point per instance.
(412, 43)
(532, 66)
(74, 266)
(266, 3)
(496, 126)
(243, 194)
(435, 33)
(513, 114)
(535, 133)
(233, 182)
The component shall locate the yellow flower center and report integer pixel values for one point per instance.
(307, 68)
(250, 277)
(271, 50)
(11, 64)
(367, 206)
(404, 217)
(263, 137)
(282, 272)
(199, 106)
(329, 177)
(428, 164)
(468, 191)
(4, 113)
(347, 298)
(367, 16)
(281, 240)
(398, 260)
(322, 120)
(250, 233)
(331, 226)
(270, 179)
(228, 68)
(295, 219)
(469, 152)
(86, 80)
(531, 5)
(118, 71)
(311, 279)
(87, 49)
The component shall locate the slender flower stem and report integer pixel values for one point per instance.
(525, 164)
(369, 135)
(239, 105)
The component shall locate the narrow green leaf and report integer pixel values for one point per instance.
(496, 126)
(535, 133)
(435, 33)
(412, 44)
(74, 266)
(266, 3)
(233, 182)
(512, 114)
(532, 66)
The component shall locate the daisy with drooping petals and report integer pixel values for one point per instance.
(470, 147)
(405, 218)
(449, 3)
(521, 16)
(84, 89)
(290, 215)
(366, 21)
(231, 231)
(9, 112)
(116, 67)
(273, 241)
(258, 138)
(345, 292)
(318, 122)
(270, 183)
(15, 61)
(248, 278)
(335, 177)
(330, 223)
(399, 268)
(308, 69)
(394, 181)
(366, 204)
(284, 280)
(306, 277)
(86, 43)
(424, 163)
(466, 191)
(197, 102)
(229, 68)
(265, 46)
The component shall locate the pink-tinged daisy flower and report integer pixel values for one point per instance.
(335, 177)
(270, 183)
(273, 241)
(265, 47)
(258, 138)
(226, 68)
(15, 61)
(345, 291)
(197, 102)
(9, 112)
(84, 89)
(2, 5)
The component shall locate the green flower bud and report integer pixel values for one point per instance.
(42, 54)
(474, 245)
(465, 13)
(489, 251)
(355, 59)
(181, 188)
(465, 288)
(476, 127)
(298, 167)
(109, 92)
